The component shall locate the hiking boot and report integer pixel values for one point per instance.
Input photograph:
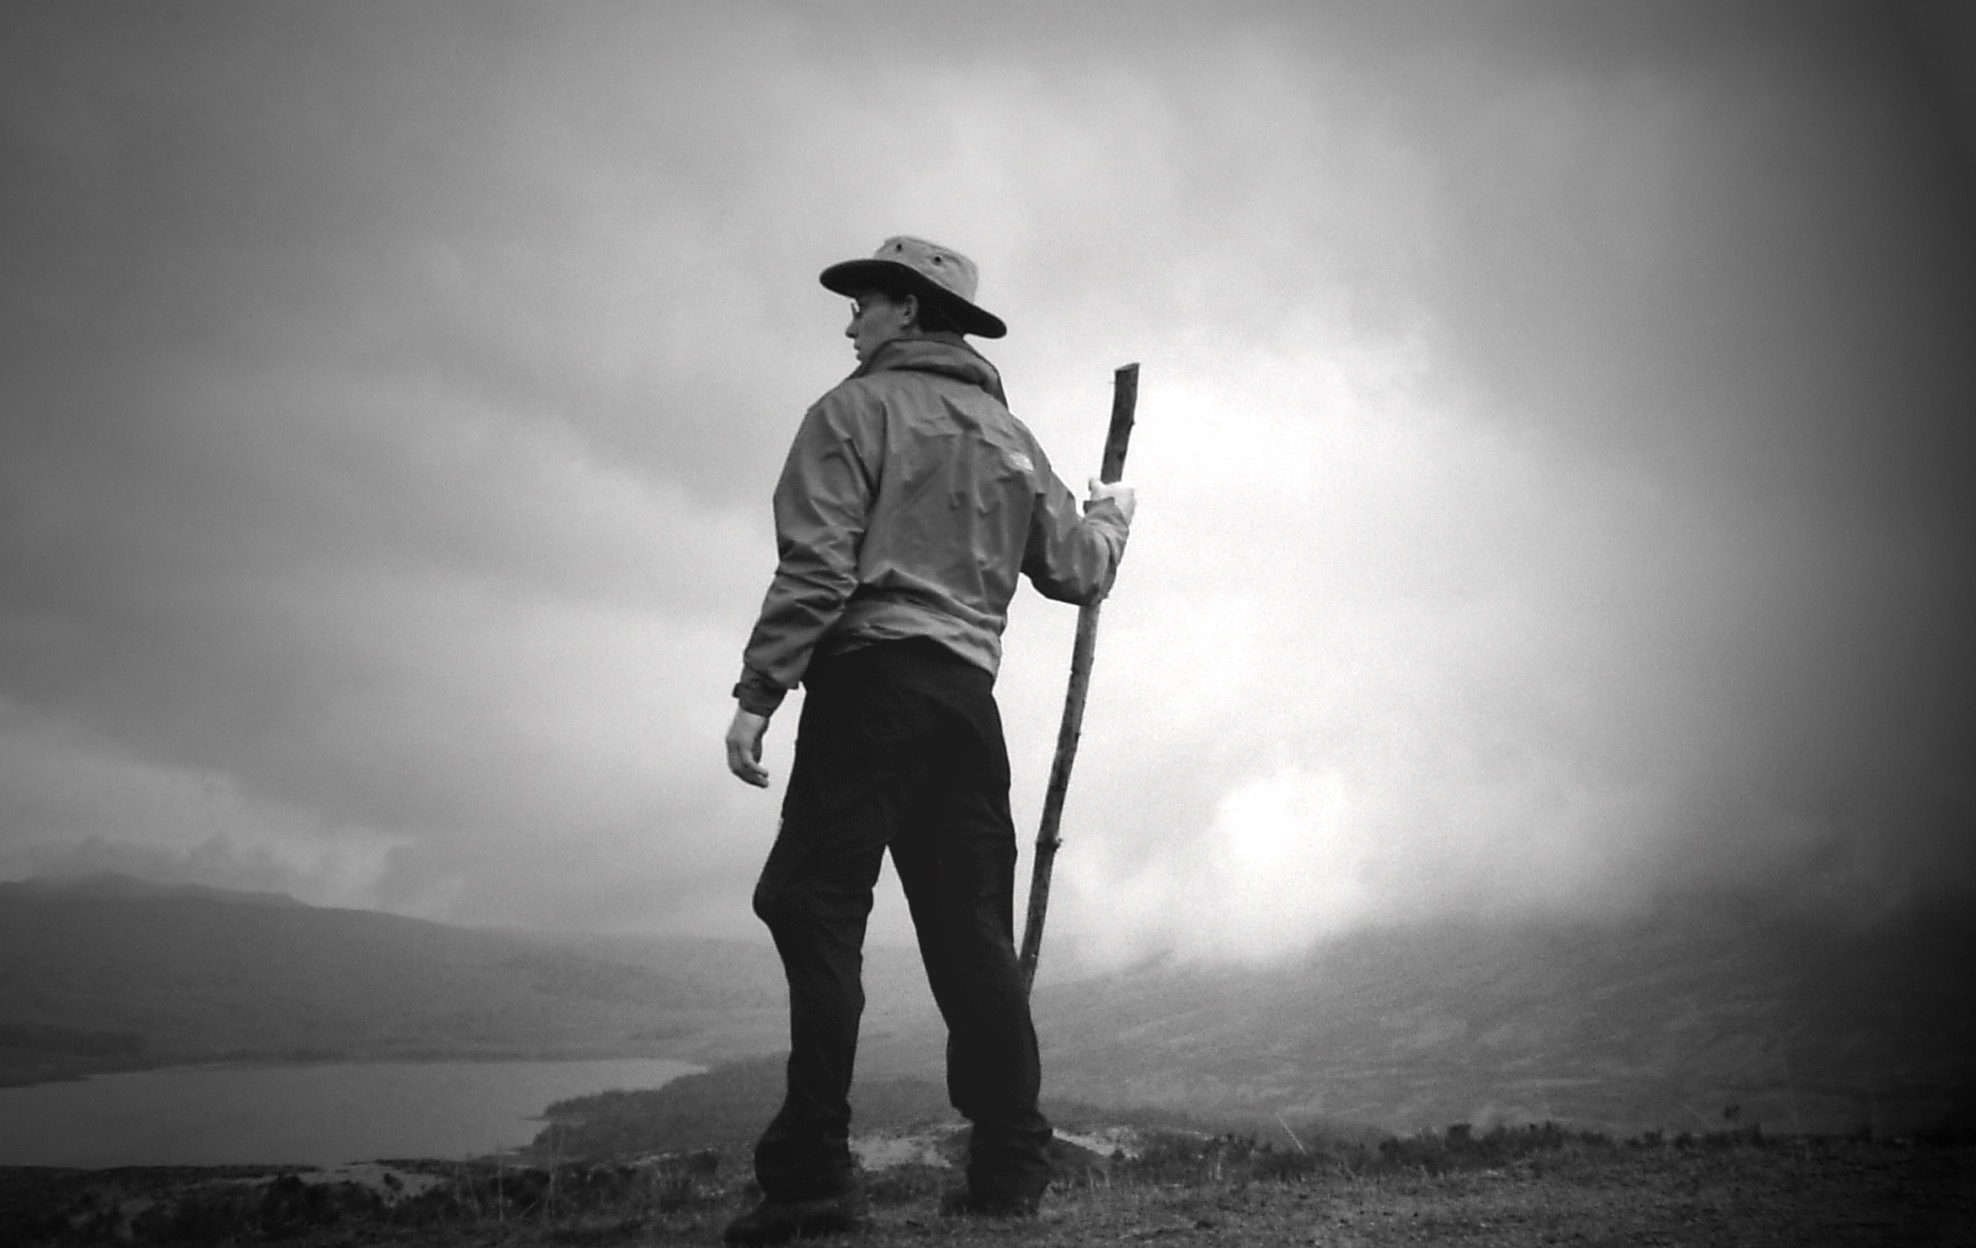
(965, 1202)
(779, 1221)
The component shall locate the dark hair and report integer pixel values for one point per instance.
(931, 317)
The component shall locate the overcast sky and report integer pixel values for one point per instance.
(1554, 445)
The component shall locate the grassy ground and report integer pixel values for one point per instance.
(1521, 1188)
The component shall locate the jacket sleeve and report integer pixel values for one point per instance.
(822, 502)
(1071, 557)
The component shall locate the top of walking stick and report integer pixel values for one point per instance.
(1125, 399)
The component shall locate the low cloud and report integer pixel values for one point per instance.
(1548, 445)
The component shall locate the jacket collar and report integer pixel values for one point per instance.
(945, 354)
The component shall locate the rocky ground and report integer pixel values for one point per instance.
(1533, 1186)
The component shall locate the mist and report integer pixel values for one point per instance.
(1552, 444)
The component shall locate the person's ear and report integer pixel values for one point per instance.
(911, 304)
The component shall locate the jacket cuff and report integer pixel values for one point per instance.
(757, 694)
(1107, 512)
(1108, 518)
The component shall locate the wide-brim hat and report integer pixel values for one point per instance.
(913, 266)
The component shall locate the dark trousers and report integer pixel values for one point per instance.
(900, 748)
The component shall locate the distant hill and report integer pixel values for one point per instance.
(104, 974)
(1663, 1022)
(1655, 1022)
(113, 884)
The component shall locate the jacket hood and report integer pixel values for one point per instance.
(945, 354)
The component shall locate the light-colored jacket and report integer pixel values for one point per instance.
(911, 502)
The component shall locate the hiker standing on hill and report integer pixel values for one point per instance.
(909, 504)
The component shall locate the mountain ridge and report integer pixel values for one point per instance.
(1658, 1021)
(118, 884)
(1661, 1023)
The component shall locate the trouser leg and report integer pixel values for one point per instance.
(994, 1074)
(956, 855)
(805, 1151)
(815, 895)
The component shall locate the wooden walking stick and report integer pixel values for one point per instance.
(1125, 398)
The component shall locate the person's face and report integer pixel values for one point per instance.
(877, 319)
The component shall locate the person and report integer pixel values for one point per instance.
(910, 506)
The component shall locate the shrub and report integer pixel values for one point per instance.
(1275, 1167)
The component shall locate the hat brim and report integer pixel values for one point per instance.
(854, 277)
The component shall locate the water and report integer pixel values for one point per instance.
(318, 1114)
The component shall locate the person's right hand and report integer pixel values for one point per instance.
(744, 747)
(1117, 492)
